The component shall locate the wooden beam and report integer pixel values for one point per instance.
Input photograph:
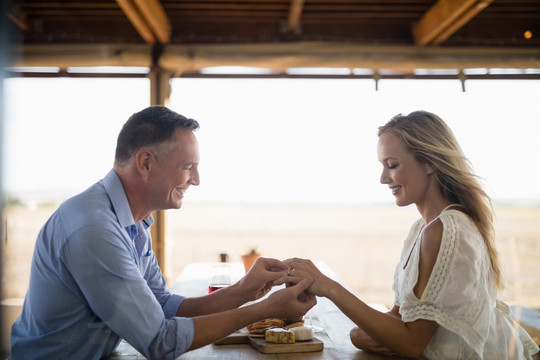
(137, 20)
(156, 17)
(21, 23)
(276, 56)
(158, 241)
(459, 23)
(444, 18)
(160, 91)
(295, 13)
(148, 18)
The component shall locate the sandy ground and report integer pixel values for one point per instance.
(361, 244)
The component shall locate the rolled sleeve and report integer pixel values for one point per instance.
(179, 330)
(171, 306)
(184, 338)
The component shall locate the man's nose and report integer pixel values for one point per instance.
(194, 179)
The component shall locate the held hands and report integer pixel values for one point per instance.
(263, 275)
(293, 302)
(268, 272)
(303, 268)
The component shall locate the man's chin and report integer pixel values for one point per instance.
(179, 204)
(175, 202)
(173, 205)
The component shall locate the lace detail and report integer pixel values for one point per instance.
(429, 307)
(450, 322)
(529, 344)
(460, 294)
(441, 271)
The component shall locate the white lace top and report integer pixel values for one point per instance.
(460, 296)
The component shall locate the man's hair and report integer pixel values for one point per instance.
(152, 127)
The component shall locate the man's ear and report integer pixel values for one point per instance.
(143, 159)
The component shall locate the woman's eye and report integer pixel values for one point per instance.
(392, 166)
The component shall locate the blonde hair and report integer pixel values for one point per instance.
(431, 141)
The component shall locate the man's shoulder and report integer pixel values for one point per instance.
(85, 201)
(91, 206)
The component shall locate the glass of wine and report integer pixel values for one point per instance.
(220, 277)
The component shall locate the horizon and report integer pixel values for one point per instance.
(270, 140)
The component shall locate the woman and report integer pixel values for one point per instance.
(446, 282)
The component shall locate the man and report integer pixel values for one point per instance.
(95, 279)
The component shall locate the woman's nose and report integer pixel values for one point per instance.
(385, 179)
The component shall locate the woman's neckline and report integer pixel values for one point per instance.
(437, 217)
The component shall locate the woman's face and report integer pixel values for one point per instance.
(407, 178)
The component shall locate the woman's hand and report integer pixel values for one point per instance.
(303, 268)
(262, 276)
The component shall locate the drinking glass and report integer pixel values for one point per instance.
(309, 322)
(220, 277)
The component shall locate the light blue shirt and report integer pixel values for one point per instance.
(95, 280)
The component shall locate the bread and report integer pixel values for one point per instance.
(260, 327)
(295, 324)
(275, 331)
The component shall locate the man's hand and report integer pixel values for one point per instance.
(284, 303)
(262, 277)
(292, 302)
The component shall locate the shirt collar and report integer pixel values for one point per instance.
(119, 201)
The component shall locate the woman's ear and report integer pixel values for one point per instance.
(429, 168)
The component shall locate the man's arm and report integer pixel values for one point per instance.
(260, 279)
(284, 303)
(224, 299)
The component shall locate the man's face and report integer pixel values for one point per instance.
(176, 172)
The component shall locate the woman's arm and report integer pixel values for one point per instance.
(409, 339)
(384, 329)
(363, 341)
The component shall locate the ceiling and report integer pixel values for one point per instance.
(186, 36)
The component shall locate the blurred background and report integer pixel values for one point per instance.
(289, 95)
(291, 178)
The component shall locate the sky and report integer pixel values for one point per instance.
(270, 140)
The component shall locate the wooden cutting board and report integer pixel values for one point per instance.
(239, 337)
(300, 346)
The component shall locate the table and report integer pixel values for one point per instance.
(337, 345)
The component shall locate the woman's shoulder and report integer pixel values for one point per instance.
(461, 239)
(432, 237)
(456, 212)
(417, 224)
(458, 220)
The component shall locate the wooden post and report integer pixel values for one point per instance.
(159, 95)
